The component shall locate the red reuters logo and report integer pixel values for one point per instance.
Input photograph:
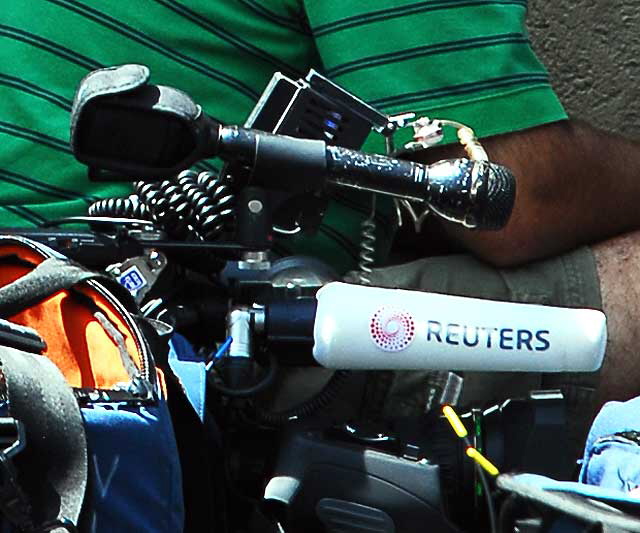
(392, 329)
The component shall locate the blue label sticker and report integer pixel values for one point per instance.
(132, 280)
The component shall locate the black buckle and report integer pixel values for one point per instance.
(13, 501)
(12, 437)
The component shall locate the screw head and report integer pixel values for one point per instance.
(255, 206)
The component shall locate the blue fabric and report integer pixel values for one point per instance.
(134, 470)
(612, 461)
(190, 370)
(611, 464)
(136, 480)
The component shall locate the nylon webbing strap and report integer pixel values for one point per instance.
(581, 508)
(46, 279)
(52, 469)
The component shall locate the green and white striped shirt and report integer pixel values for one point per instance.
(467, 60)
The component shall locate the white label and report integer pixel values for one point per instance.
(374, 328)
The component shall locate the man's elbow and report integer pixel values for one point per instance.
(499, 253)
(517, 244)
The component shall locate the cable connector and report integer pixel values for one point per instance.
(471, 451)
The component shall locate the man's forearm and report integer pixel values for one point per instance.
(575, 185)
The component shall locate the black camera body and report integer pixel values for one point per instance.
(358, 477)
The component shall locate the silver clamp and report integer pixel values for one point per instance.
(139, 274)
(427, 133)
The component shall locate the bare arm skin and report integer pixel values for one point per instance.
(618, 264)
(575, 185)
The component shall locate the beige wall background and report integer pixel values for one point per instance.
(592, 51)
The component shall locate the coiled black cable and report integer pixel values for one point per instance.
(129, 207)
(317, 402)
(211, 203)
(195, 206)
(190, 206)
(167, 206)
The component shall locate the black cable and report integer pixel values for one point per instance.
(491, 511)
(507, 513)
(490, 507)
(167, 206)
(246, 392)
(190, 206)
(129, 207)
(317, 402)
(210, 201)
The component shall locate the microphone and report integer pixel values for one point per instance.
(358, 327)
(134, 130)
(477, 194)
